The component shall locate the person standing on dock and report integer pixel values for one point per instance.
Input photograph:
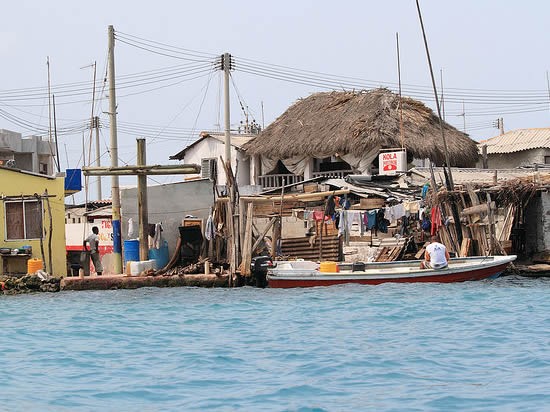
(436, 255)
(93, 241)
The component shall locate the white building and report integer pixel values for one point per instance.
(32, 153)
(207, 151)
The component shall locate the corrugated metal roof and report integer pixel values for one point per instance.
(420, 175)
(518, 140)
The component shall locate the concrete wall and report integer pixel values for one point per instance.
(511, 160)
(15, 183)
(537, 224)
(168, 204)
(28, 153)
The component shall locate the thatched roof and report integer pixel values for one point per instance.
(356, 122)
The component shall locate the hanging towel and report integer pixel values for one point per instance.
(157, 239)
(209, 230)
(130, 228)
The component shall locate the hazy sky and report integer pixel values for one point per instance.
(493, 57)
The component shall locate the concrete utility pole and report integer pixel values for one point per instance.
(115, 195)
(97, 156)
(226, 66)
(143, 207)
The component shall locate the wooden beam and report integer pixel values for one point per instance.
(290, 197)
(143, 207)
(141, 170)
(482, 208)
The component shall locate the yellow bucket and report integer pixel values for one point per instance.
(34, 265)
(328, 267)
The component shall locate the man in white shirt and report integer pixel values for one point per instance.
(436, 255)
(93, 241)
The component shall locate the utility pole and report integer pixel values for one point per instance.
(142, 203)
(115, 195)
(226, 66)
(97, 155)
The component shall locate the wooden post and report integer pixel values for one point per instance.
(276, 234)
(50, 265)
(491, 226)
(142, 203)
(247, 248)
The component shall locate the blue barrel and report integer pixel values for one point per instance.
(131, 250)
(160, 255)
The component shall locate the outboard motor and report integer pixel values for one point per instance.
(258, 268)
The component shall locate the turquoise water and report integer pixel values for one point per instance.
(470, 346)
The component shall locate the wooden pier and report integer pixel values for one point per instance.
(134, 282)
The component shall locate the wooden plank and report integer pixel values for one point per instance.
(247, 243)
(465, 247)
(477, 209)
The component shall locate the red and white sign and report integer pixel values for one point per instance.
(392, 162)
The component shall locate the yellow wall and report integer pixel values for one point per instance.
(15, 183)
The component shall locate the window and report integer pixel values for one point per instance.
(209, 169)
(547, 159)
(43, 168)
(23, 219)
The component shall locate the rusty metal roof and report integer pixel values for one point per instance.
(421, 175)
(518, 140)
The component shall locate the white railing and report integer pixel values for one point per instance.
(333, 174)
(271, 181)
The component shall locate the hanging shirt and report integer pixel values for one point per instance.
(371, 219)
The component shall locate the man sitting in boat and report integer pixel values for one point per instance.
(436, 255)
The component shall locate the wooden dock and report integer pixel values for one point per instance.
(134, 282)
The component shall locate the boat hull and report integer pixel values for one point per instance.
(449, 275)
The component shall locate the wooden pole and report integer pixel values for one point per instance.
(247, 249)
(143, 209)
(50, 232)
(491, 225)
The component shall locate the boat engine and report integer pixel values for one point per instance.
(258, 268)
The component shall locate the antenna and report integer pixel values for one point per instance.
(400, 99)
(263, 120)
(442, 96)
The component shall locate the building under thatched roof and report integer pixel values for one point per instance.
(357, 123)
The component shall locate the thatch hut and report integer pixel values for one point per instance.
(351, 128)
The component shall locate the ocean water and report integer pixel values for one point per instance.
(480, 346)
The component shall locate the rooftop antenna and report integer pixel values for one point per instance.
(263, 119)
(400, 97)
(50, 113)
(442, 96)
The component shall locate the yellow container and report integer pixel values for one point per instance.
(34, 265)
(328, 267)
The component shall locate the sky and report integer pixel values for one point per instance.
(489, 57)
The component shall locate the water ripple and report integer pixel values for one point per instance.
(471, 346)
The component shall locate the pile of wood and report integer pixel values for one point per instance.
(486, 223)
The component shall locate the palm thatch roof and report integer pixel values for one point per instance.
(356, 122)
